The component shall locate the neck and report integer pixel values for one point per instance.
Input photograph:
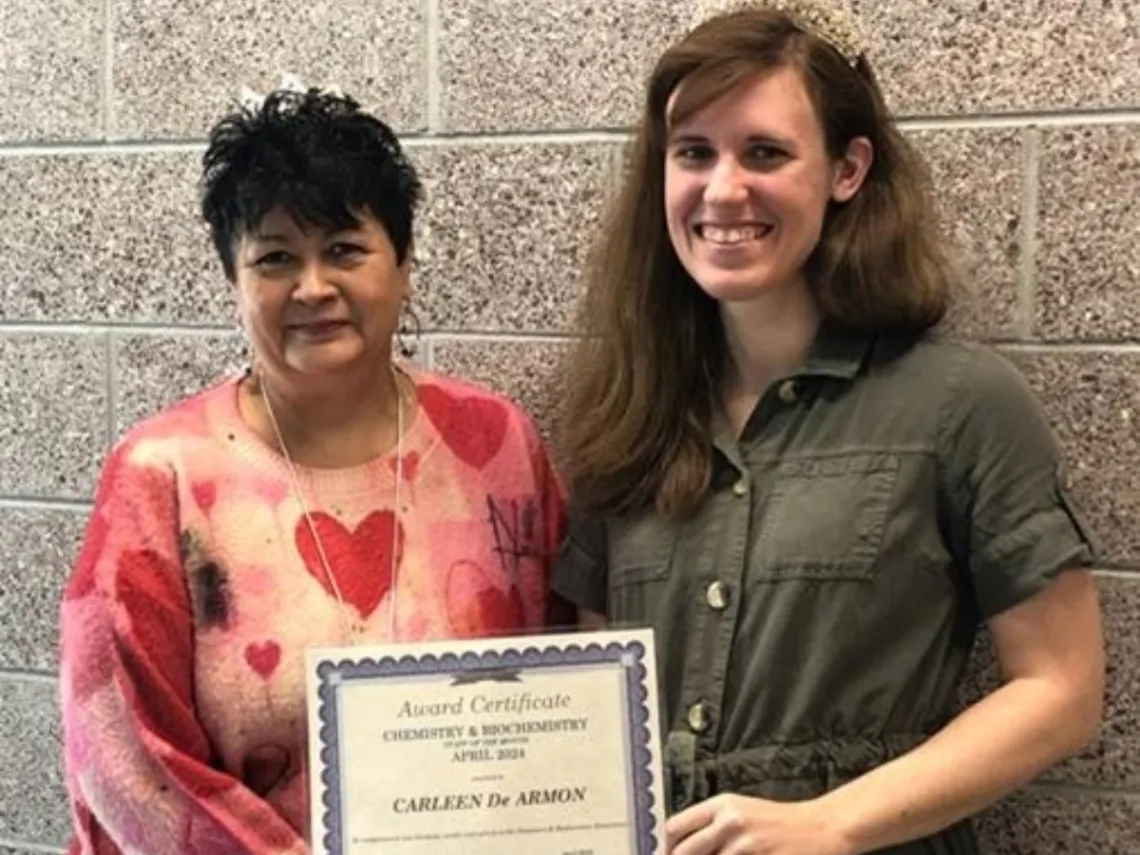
(766, 339)
(331, 423)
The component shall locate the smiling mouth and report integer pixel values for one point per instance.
(732, 235)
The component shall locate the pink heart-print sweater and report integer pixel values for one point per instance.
(199, 586)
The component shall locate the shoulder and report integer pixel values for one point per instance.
(488, 432)
(960, 375)
(986, 390)
(162, 435)
(454, 403)
(989, 421)
(944, 356)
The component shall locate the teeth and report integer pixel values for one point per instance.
(717, 234)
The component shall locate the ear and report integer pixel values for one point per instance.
(404, 271)
(851, 169)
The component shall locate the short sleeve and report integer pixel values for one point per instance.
(1013, 524)
(581, 571)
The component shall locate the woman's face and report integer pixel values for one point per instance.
(747, 183)
(319, 302)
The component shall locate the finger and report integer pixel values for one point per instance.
(693, 819)
(713, 839)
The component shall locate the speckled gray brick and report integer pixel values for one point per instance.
(90, 238)
(33, 803)
(152, 370)
(547, 64)
(504, 234)
(53, 413)
(1112, 759)
(181, 64)
(39, 549)
(1092, 399)
(1044, 821)
(978, 182)
(1088, 268)
(938, 57)
(526, 371)
(50, 69)
(550, 64)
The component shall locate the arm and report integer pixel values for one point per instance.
(1049, 649)
(140, 769)
(1014, 531)
(581, 572)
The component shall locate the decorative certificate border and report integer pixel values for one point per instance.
(630, 654)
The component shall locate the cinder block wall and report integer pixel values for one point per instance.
(517, 110)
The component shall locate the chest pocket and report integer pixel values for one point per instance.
(640, 555)
(825, 518)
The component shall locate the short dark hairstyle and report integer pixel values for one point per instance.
(313, 153)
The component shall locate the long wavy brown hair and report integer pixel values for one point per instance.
(638, 386)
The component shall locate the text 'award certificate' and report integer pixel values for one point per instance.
(545, 744)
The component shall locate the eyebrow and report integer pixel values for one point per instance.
(688, 137)
(693, 136)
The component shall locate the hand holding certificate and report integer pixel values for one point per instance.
(542, 744)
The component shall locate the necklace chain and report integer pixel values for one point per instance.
(298, 494)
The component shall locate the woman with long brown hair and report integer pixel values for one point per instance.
(813, 497)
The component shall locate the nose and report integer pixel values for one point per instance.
(313, 284)
(726, 183)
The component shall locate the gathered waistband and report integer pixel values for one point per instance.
(819, 765)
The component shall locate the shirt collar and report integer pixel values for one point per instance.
(837, 351)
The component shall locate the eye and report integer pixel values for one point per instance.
(345, 251)
(276, 258)
(693, 153)
(765, 153)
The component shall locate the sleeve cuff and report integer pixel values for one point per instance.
(580, 578)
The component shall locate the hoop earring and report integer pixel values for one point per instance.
(409, 326)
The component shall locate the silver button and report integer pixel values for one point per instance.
(698, 718)
(789, 392)
(716, 595)
(741, 487)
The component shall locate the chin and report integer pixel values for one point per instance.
(738, 289)
(324, 361)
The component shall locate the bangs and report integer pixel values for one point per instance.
(704, 85)
(321, 193)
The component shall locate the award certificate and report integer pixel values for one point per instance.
(544, 744)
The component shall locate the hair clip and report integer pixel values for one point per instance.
(253, 101)
(827, 20)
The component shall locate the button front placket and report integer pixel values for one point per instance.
(698, 718)
(716, 595)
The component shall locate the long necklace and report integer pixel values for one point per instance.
(350, 629)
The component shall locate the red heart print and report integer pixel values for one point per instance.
(205, 494)
(473, 428)
(361, 560)
(410, 465)
(476, 607)
(263, 657)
